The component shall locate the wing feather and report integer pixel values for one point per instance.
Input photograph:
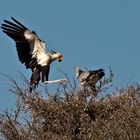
(13, 24)
(28, 43)
(18, 22)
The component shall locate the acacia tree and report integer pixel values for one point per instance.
(72, 114)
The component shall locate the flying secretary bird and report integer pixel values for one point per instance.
(89, 78)
(31, 51)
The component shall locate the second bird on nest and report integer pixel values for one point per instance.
(89, 78)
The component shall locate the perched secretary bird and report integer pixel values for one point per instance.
(89, 78)
(31, 51)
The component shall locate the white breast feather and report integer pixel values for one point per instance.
(43, 59)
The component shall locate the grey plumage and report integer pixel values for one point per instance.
(88, 78)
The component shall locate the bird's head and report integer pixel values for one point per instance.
(77, 68)
(56, 55)
(77, 71)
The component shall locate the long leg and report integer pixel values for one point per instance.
(35, 78)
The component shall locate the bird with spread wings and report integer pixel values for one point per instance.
(31, 51)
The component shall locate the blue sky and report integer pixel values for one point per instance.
(92, 34)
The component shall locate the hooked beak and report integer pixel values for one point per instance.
(60, 58)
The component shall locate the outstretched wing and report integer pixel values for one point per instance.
(27, 42)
